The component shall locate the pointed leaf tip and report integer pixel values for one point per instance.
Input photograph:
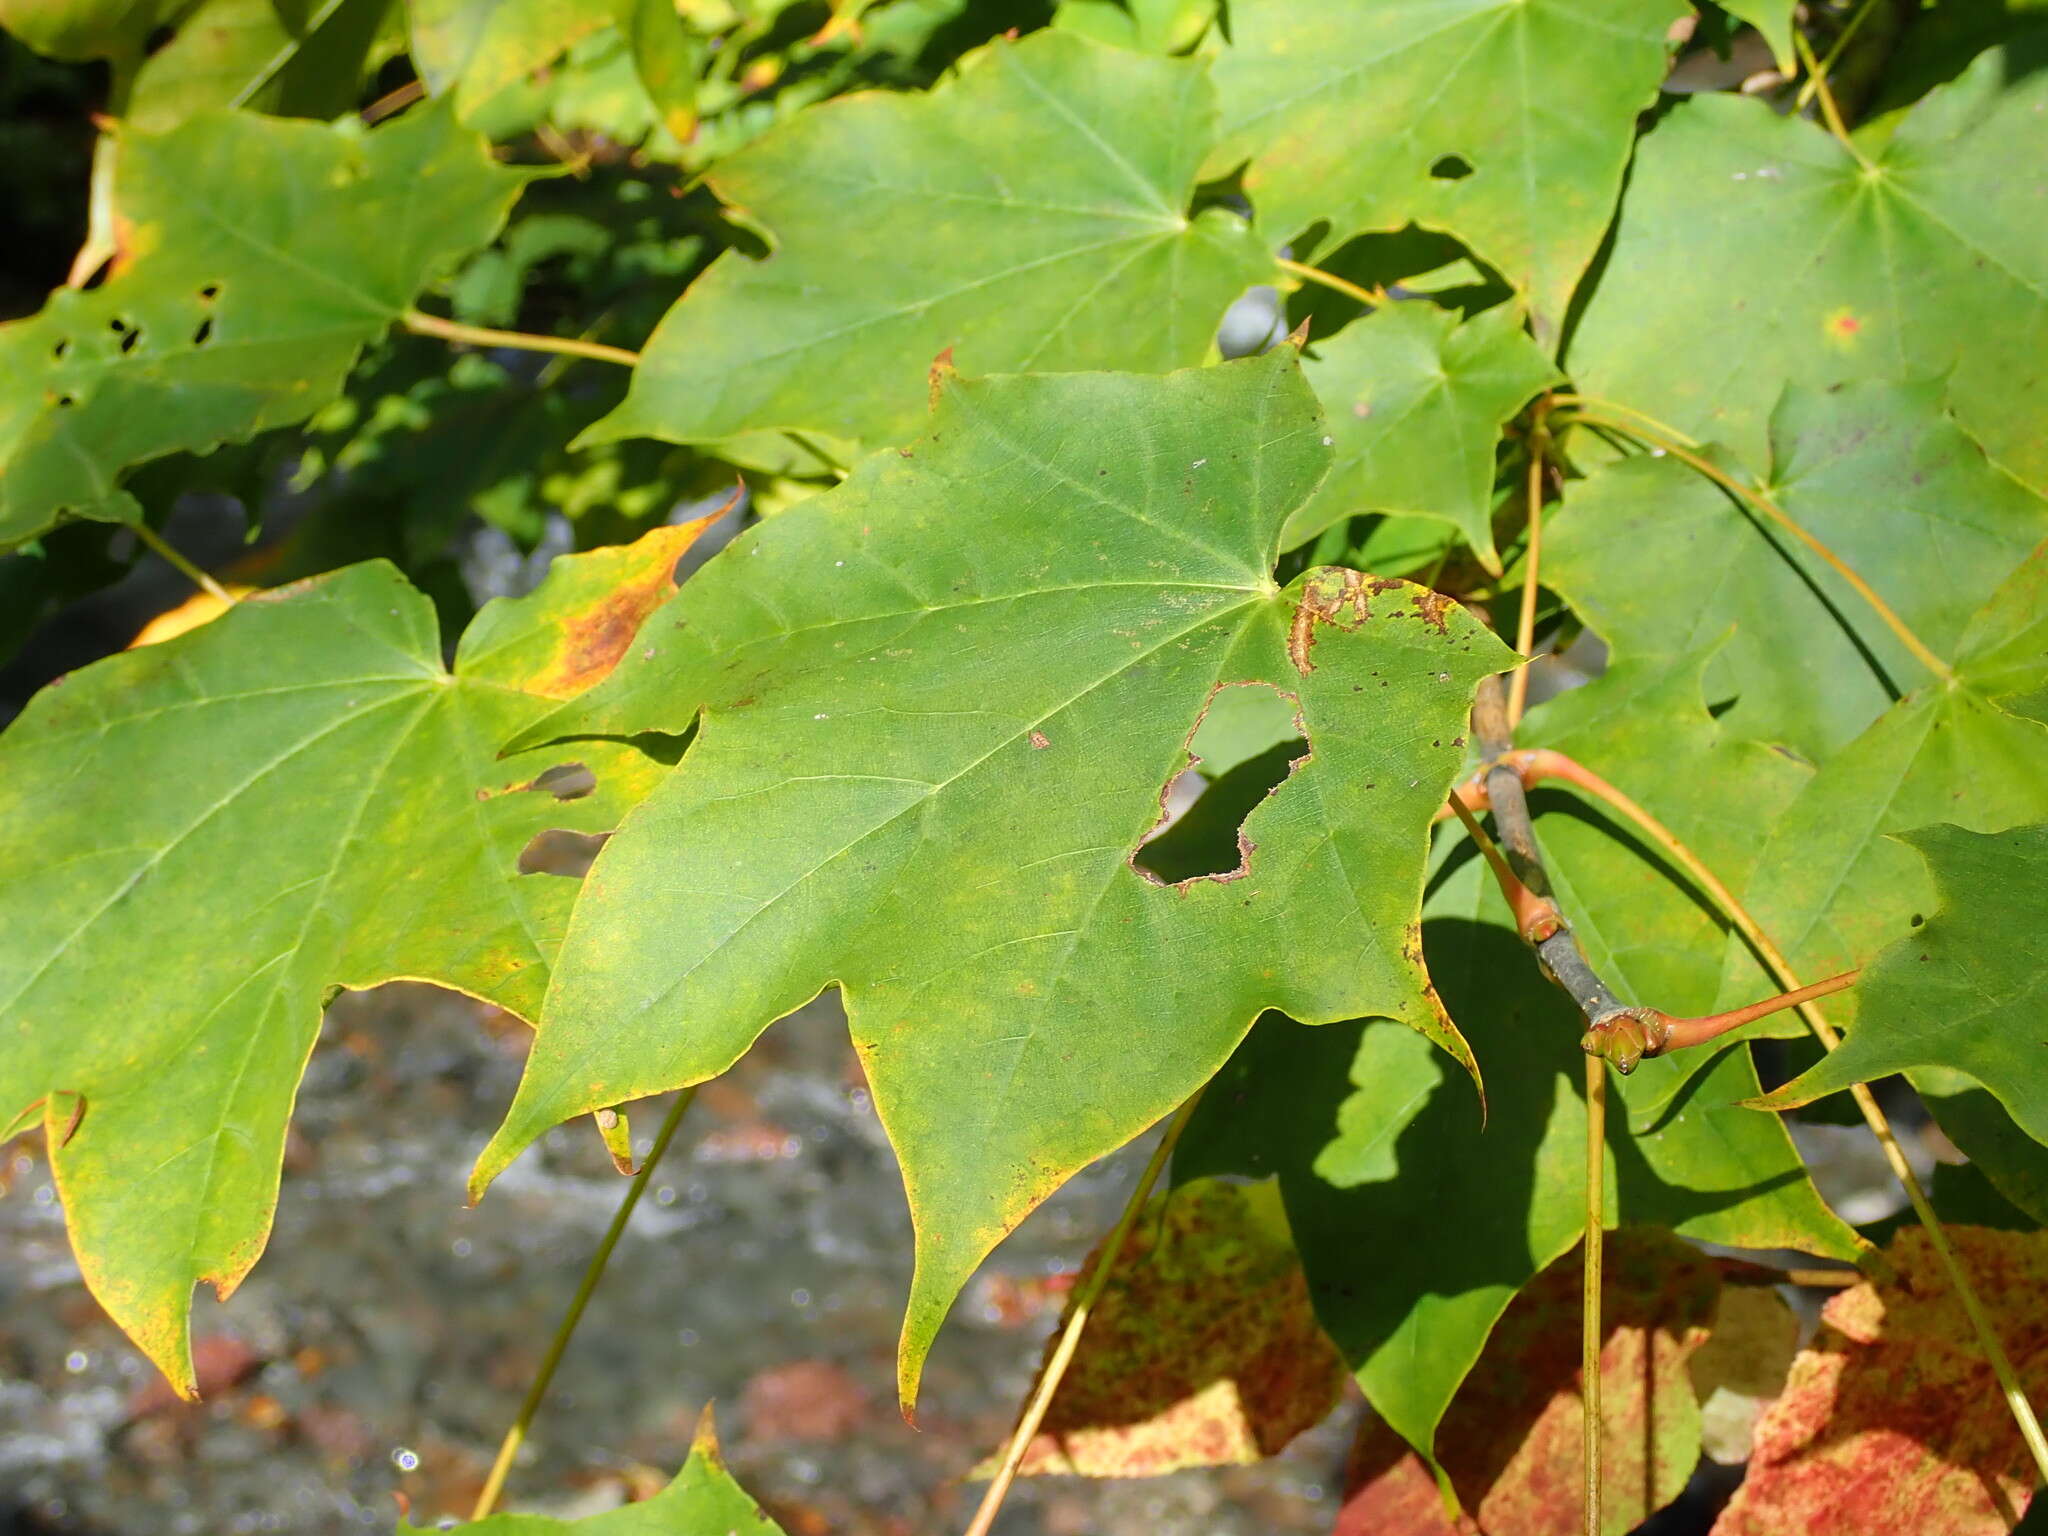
(325, 706)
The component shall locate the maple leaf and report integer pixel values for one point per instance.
(1013, 217)
(1892, 1418)
(1511, 1444)
(1202, 1350)
(258, 257)
(1036, 602)
(207, 836)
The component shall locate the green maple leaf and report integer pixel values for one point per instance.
(2005, 1156)
(1833, 885)
(938, 706)
(1416, 403)
(1019, 214)
(1965, 991)
(1507, 123)
(85, 29)
(1150, 26)
(475, 48)
(205, 838)
(1662, 561)
(704, 1500)
(1368, 1135)
(2004, 653)
(1933, 262)
(303, 60)
(1773, 19)
(668, 56)
(259, 256)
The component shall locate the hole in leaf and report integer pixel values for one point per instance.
(64, 400)
(558, 852)
(130, 340)
(209, 293)
(57, 352)
(1451, 168)
(565, 781)
(117, 325)
(1249, 739)
(204, 334)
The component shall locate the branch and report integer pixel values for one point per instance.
(494, 1484)
(1641, 1032)
(1301, 269)
(1512, 768)
(480, 336)
(1522, 877)
(1616, 1032)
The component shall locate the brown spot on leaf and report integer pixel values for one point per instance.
(596, 636)
(1843, 328)
(1331, 595)
(1434, 609)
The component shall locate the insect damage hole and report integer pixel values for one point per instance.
(1450, 168)
(1244, 745)
(565, 781)
(559, 851)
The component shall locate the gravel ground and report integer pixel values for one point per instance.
(381, 1345)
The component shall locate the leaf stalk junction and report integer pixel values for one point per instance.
(1622, 1035)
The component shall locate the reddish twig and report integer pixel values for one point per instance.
(1519, 866)
(1641, 1032)
(1505, 778)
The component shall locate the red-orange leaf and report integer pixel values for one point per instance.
(1203, 1350)
(1892, 1420)
(1511, 1442)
